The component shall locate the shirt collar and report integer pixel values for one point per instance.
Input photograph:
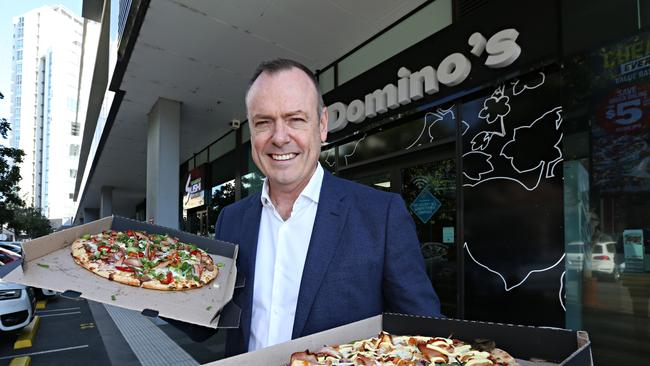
(311, 190)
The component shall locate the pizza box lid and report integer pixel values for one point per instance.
(544, 346)
(47, 263)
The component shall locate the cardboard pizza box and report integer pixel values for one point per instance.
(529, 345)
(47, 263)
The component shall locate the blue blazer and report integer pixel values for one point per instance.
(363, 259)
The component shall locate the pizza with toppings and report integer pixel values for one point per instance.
(394, 350)
(154, 261)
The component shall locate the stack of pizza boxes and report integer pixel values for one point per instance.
(48, 263)
(530, 346)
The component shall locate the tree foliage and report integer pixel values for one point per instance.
(31, 222)
(9, 176)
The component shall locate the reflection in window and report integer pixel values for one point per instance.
(222, 195)
(607, 200)
(251, 183)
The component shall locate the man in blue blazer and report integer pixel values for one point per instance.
(317, 251)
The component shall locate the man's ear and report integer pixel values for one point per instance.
(324, 119)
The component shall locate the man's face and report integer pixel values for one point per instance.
(285, 131)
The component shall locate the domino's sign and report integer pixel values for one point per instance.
(502, 50)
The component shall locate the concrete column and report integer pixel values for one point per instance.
(90, 214)
(163, 155)
(106, 201)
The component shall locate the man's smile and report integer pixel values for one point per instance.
(283, 157)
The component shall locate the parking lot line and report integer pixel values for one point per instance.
(41, 304)
(27, 334)
(21, 361)
(60, 314)
(47, 351)
(55, 310)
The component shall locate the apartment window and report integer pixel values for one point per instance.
(75, 128)
(74, 150)
(73, 173)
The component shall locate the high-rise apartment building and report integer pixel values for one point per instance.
(45, 77)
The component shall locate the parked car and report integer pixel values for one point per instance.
(17, 304)
(6, 258)
(575, 255)
(604, 260)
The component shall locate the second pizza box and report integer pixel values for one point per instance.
(531, 346)
(47, 263)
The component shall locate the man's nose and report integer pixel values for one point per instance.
(280, 134)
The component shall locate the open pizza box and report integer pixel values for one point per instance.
(47, 263)
(531, 346)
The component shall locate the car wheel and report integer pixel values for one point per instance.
(616, 275)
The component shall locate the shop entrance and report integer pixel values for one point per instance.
(198, 222)
(426, 180)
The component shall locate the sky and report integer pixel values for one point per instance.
(11, 9)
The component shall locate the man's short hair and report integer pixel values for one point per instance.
(282, 64)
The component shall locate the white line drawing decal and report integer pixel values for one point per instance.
(543, 166)
(432, 118)
(354, 150)
(444, 112)
(486, 137)
(330, 154)
(487, 160)
(558, 122)
(424, 128)
(551, 164)
(526, 187)
(495, 108)
(525, 87)
(466, 126)
(562, 288)
(505, 283)
(497, 101)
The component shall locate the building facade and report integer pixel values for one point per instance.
(45, 78)
(516, 133)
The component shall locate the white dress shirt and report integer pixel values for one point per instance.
(281, 253)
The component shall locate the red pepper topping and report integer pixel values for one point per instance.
(196, 252)
(102, 247)
(124, 269)
(167, 279)
(129, 233)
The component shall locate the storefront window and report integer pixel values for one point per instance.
(252, 179)
(327, 159)
(607, 199)
(222, 195)
(435, 127)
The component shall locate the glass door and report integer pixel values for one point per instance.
(427, 183)
(429, 191)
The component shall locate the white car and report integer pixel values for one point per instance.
(575, 255)
(604, 260)
(17, 304)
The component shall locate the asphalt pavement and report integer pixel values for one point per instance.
(67, 335)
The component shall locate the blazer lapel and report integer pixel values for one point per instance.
(330, 218)
(247, 255)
